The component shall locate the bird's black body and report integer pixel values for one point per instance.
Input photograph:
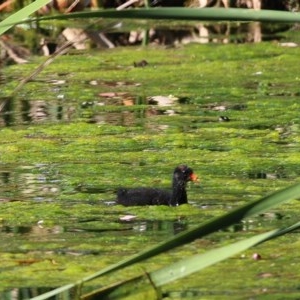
(154, 196)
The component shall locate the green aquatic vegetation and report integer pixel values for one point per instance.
(64, 171)
(197, 262)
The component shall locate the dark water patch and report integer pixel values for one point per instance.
(259, 126)
(6, 111)
(31, 230)
(224, 106)
(263, 175)
(198, 294)
(172, 227)
(216, 148)
(255, 224)
(92, 189)
(140, 64)
(123, 108)
(114, 83)
(13, 112)
(37, 182)
(76, 252)
(24, 293)
(208, 119)
(291, 292)
(97, 230)
(271, 216)
(57, 109)
(15, 229)
(279, 172)
(148, 228)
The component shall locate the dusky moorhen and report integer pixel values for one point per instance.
(153, 196)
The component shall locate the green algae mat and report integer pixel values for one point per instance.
(94, 121)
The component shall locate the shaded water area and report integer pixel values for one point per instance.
(93, 121)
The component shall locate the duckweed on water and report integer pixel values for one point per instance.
(62, 163)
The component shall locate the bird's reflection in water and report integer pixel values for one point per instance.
(174, 227)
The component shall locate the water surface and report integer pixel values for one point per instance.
(93, 122)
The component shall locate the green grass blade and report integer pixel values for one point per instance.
(224, 221)
(216, 224)
(22, 14)
(198, 262)
(171, 13)
(179, 13)
(141, 285)
(147, 283)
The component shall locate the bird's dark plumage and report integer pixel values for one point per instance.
(154, 196)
